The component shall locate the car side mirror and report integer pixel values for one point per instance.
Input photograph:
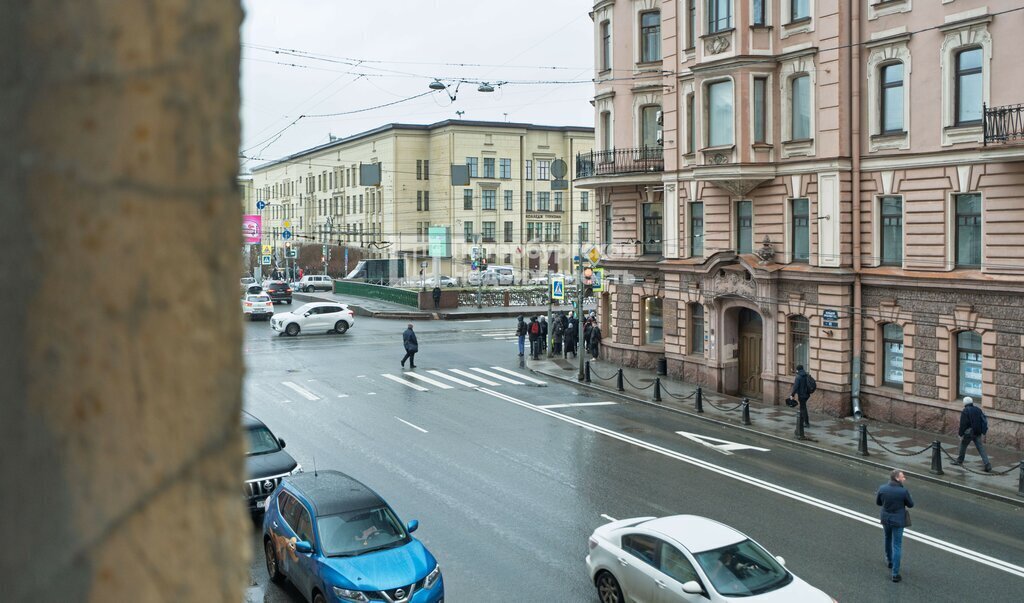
(781, 561)
(413, 525)
(303, 547)
(693, 588)
(306, 315)
(281, 442)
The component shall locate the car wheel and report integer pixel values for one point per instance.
(340, 327)
(608, 589)
(292, 329)
(288, 301)
(309, 288)
(318, 597)
(272, 570)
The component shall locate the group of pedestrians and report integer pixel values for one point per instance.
(564, 330)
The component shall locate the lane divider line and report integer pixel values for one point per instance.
(404, 382)
(413, 426)
(575, 404)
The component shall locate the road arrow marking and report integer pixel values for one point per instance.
(723, 446)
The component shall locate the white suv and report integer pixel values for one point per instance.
(314, 282)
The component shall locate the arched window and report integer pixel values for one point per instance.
(968, 360)
(799, 343)
(891, 96)
(892, 355)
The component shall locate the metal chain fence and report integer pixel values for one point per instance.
(891, 451)
(994, 473)
(635, 386)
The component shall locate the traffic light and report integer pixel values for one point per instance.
(483, 262)
(588, 282)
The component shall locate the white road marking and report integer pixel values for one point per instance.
(429, 380)
(519, 375)
(474, 377)
(305, 393)
(342, 395)
(496, 376)
(453, 379)
(868, 520)
(371, 393)
(577, 404)
(608, 517)
(404, 382)
(484, 320)
(724, 446)
(413, 426)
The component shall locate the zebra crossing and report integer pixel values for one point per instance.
(472, 377)
(496, 334)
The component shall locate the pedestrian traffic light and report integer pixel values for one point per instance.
(588, 277)
(483, 262)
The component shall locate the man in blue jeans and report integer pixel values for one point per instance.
(894, 499)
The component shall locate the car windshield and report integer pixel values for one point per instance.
(261, 441)
(360, 531)
(257, 298)
(303, 309)
(743, 569)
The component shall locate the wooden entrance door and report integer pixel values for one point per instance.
(751, 332)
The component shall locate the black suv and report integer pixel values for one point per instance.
(279, 291)
(266, 462)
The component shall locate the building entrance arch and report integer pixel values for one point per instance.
(742, 354)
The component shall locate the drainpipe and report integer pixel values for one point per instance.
(855, 134)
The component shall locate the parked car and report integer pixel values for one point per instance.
(316, 317)
(278, 291)
(266, 462)
(689, 559)
(440, 281)
(335, 539)
(257, 306)
(316, 282)
(544, 278)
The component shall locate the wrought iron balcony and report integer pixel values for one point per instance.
(620, 161)
(1004, 124)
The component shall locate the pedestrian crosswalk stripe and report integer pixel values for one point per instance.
(475, 378)
(305, 393)
(404, 382)
(429, 380)
(519, 375)
(452, 379)
(497, 376)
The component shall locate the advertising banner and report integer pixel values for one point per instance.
(252, 228)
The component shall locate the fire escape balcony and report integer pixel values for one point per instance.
(1004, 124)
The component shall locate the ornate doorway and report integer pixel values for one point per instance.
(751, 332)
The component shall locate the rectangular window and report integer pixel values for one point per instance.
(467, 198)
(508, 232)
(505, 169)
(800, 227)
(892, 99)
(720, 113)
(760, 110)
(653, 321)
(691, 125)
(489, 199)
(801, 105)
(606, 132)
(542, 169)
(558, 201)
(758, 9)
(719, 15)
(697, 229)
(543, 201)
(649, 127)
(419, 200)
(606, 226)
(691, 24)
(606, 45)
(508, 200)
(419, 169)
(650, 36)
(891, 223)
(968, 354)
(488, 167)
(548, 231)
(892, 355)
(968, 87)
(799, 9)
(585, 201)
(529, 201)
(652, 225)
(968, 230)
(696, 329)
(556, 232)
(584, 231)
(488, 231)
(468, 230)
(426, 169)
(744, 227)
(799, 348)
(473, 164)
(529, 169)
(426, 200)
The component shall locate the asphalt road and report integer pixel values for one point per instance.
(507, 491)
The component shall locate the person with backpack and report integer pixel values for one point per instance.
(973, 427)
(803, 387)
(534, 334)
(521, 334)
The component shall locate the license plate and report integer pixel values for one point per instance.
(260, 504)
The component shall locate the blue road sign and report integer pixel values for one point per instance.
(558, 289)
(260, 205)
(266, 260)
(286, 234)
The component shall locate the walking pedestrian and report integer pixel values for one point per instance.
(411, 347)
(973, 427)
(534, 333)
(543, 334)
(595, 340)
(894, 498)
(521, 334)
(557, 333)
(803, 386)
(569, 338)
(437, 297)
(588, 325)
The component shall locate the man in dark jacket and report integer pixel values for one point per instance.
(587, 326)
(557, 333)
(543, 334)
(436, 293)
(534, 332)
(521, 334)
(973, 425)
(595, 340)
(894, 499)
(803, 387)
(569, 339)
(411, 347)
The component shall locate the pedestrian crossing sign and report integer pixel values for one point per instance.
(268, 249)
(598, 279)
(558, 288)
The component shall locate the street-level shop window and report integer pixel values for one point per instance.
(892, 355)
(968, 355)
(653, 326)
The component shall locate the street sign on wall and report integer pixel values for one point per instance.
(830, 319)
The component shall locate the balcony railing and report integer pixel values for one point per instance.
(620, 161)
(1003, 124)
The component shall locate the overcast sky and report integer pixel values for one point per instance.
(356, 55)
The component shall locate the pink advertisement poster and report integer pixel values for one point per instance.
(252, 228)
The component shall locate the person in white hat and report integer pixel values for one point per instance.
(973, 427)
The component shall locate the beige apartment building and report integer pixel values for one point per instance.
(837, 184)
(513, 209)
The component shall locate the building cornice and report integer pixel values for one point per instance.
(904, 160)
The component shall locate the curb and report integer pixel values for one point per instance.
(1017, 502)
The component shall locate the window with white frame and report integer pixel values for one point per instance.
(720, 113)
(488, 167)
(968, 87)
(606, 132)
(488, 199)
(799, 10)
(891, 226)
(891, 98)
(505, 168)
(800, 230)
(473, 164)
(606, 45)
(800, 106)
(649, 127)
(650, 36)
(719, 15)
(543, 165)
(760, 108)
(529, 169)
(969, 363)
(744, 227)
(968, 230)
(965, 56)
(697, 229)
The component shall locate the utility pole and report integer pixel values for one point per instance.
(551, 330)
(580, 344)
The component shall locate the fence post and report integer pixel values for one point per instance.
(746, 411)
(618, 382)
(799, 433)
(657, 389)
(936, 458)
(586, 372)
(1020, 480)
(862, 440)
(700, 399)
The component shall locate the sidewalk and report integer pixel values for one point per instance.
(907, 448)
(384, 309)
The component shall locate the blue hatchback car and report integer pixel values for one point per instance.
(336, 540)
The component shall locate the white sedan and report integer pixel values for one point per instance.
(257, 306)
(317, 317)
(688, 559)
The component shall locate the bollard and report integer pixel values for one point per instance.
(746, 411)
(799, 433)
(1020, 480)
(586, 372)
(862, 440)
(700, 400)
(936, 458)
(657, 389)
(618, 382)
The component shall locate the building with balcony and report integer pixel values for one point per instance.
(517, 207)
(838, 185)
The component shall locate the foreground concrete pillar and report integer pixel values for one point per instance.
(120, 364)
